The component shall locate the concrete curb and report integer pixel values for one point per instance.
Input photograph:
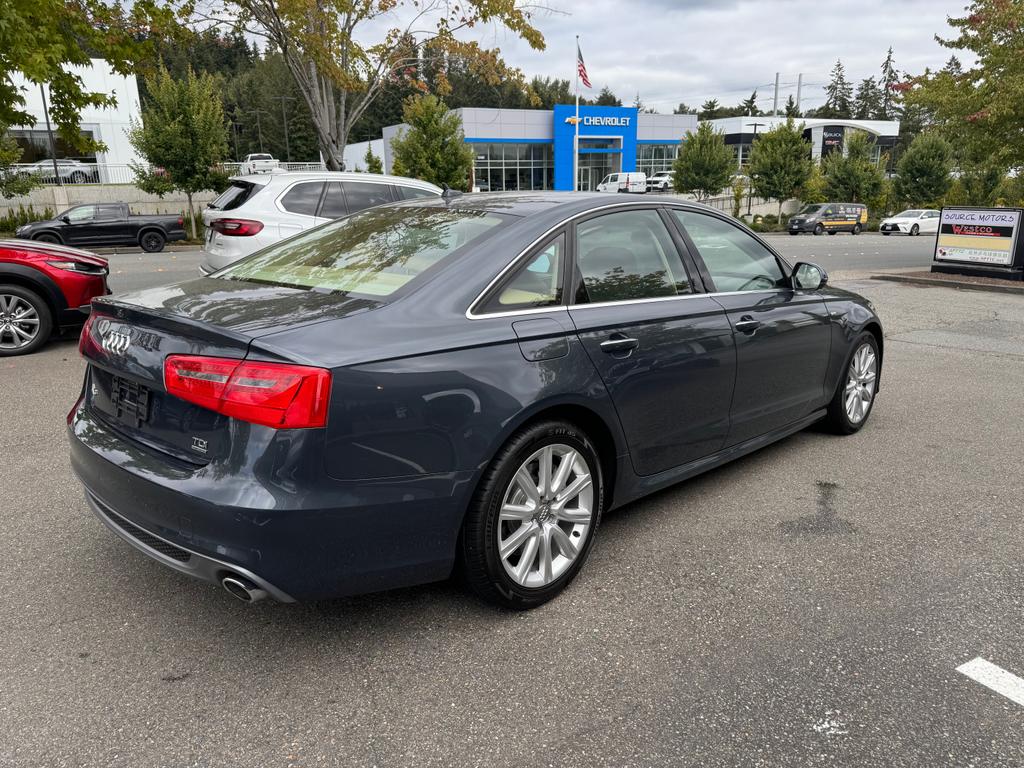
(139, 252)
(962, 285)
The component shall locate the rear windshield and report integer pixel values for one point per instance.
(260, 157)
(371, 254)
(234, 196)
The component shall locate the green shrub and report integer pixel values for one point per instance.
(16, 218)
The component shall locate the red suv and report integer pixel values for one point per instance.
(44, 287)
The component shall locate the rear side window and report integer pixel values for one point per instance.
(626, 256)
(108, 212)
(413, 193)
(537, 283)
(303, 198)
(363, 194)
(333, 206)
(734, 259)
(234, 196)
(370, 254)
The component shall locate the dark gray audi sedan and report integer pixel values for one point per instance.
(469, 381)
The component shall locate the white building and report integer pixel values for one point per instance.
(109, 126)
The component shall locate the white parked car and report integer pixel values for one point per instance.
(624, 182)
(70, 171)
(660, 182)
(912, 222)
(261, 209)
(258, 163)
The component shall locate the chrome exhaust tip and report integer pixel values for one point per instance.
(243, 589)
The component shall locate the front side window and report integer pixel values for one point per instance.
(807, 210)
(537, 283)
(734, 259)
(369, 254)
(626, 256)
(303, 198)
(81, 214)
(363, 194)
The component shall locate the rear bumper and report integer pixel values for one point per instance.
(319, 539)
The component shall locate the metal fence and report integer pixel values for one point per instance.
(79, 173)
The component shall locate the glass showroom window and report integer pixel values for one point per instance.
(654, 158)
(499, 166)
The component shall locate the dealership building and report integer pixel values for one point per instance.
(525, 149)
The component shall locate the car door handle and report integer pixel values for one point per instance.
(747, 324)
(618, 343)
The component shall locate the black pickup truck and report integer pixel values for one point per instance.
(106, 224)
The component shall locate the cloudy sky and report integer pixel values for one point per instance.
(692, 50)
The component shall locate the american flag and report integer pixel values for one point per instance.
(581, 68)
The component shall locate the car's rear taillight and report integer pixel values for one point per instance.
(273, 394)
(85, 341)
(236, 227)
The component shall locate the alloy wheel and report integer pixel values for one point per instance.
(546, 515)
(860, 383)
(19, 322)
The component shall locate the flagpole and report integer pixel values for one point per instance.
(576, 125)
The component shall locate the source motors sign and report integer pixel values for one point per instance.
(978, 236)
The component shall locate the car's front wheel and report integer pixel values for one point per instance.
(47, 237)
(819, 229)
(534, 517)
(25, 321)
(915, 231)
(855, 395)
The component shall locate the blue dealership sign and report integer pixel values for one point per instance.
(616, 123)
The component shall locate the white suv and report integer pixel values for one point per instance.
(261, 209)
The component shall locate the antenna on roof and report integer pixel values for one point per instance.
(447, 193)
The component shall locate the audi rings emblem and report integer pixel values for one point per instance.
(116, 342)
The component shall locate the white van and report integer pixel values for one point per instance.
(624, 182)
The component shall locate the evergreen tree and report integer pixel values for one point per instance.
(373, 163)
(684, 109)
(607, 99)
(710, 110)
(639, 106)
(433, 147)
(853, 177)
(889, 107)
(868, 100)
(551, 91)
(182, 133)
(780, 162)
(748, 107)
(704, 164)
(838, 95)
(923, 173)
(791, 109)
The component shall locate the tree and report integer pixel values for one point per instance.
(373, 163)
(710, 110)
(923, 173)
(888, 106)
(868, 99)
(838, 95)
(182, 136)
(748, 107)
(433, 147)
(704, 165)
(780, 162)
(341, 68)
(551, 91)
(684, 109)
(12, 183)
(607, 99)
(980, 109)
(852, 176)
(791, 108)
(639, 106)
(41, 39)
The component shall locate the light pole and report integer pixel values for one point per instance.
(750, 190)
(259, 130)
(284, 122)
(49, 133)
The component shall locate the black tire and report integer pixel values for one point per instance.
(152, 241)
(885, 234)
(838, 420)
(43, 314)
(48, 237)
(915, 231)
(856, 229)
(819, 229)
(78, 177)
(794, 233)
(833, 232)
(480, 560)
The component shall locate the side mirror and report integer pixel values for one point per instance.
(809, 277)
(65, 219)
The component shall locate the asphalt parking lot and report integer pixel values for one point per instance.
(808, 605)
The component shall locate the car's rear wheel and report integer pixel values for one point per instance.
(534, 517)
(884, 233)
(25, 321)
(856, 229)
(152, 241)
(855, 395)
(832, 231)
(47, 237)
(819, 229)
(915, 230)
(78, 177)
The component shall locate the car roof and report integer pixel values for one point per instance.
(290, 176)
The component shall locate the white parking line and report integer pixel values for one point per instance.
(996, 678)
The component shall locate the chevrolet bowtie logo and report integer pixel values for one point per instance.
(572, 120)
